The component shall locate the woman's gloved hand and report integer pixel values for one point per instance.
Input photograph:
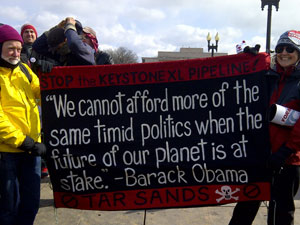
(277, 159)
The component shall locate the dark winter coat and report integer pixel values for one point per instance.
(285, 91)
(26, 53)
(103, 58)
(37, 62)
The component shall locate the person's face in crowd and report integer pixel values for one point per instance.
(29, 36)
(286, 56)
(87, 40)
(11, 51)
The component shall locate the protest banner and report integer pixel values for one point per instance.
(157, 135)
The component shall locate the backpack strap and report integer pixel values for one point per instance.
(25, 70)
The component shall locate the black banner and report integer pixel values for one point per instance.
(157, 135)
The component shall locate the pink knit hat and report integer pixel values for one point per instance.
(8, 33)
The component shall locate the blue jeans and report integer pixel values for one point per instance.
(20, 176)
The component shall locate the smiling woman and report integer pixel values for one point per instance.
(287, 49)
(284, 162)
(287, 59)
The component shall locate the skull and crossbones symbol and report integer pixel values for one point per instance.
(226, 193)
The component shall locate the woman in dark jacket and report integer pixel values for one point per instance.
(285, 140)
(284, 82)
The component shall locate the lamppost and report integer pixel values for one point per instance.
(269, 3)
(212, 47)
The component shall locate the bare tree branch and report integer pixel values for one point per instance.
(123, 55)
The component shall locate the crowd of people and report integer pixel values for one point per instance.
(66, 44)
(24, 55)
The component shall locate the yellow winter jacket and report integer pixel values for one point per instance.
(19, 114)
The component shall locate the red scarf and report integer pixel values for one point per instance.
(94, 41)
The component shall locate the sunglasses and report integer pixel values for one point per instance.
(288, 49)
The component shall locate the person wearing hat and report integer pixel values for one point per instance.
(284, 161)
(89, 36)
(63, 44)
(20, 145)
(29, 35)
(36, 62)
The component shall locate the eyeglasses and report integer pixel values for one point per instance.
(288, 49)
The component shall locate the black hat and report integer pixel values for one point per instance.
(55, 37)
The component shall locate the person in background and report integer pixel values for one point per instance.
(89, 36)
(29, 35)
(20, 134)
(63, 44)
(36, 62)
(284, 85)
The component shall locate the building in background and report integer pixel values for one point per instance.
(184, 53)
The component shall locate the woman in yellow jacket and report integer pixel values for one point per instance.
(20, 147)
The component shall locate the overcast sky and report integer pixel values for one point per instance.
(149, 26)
